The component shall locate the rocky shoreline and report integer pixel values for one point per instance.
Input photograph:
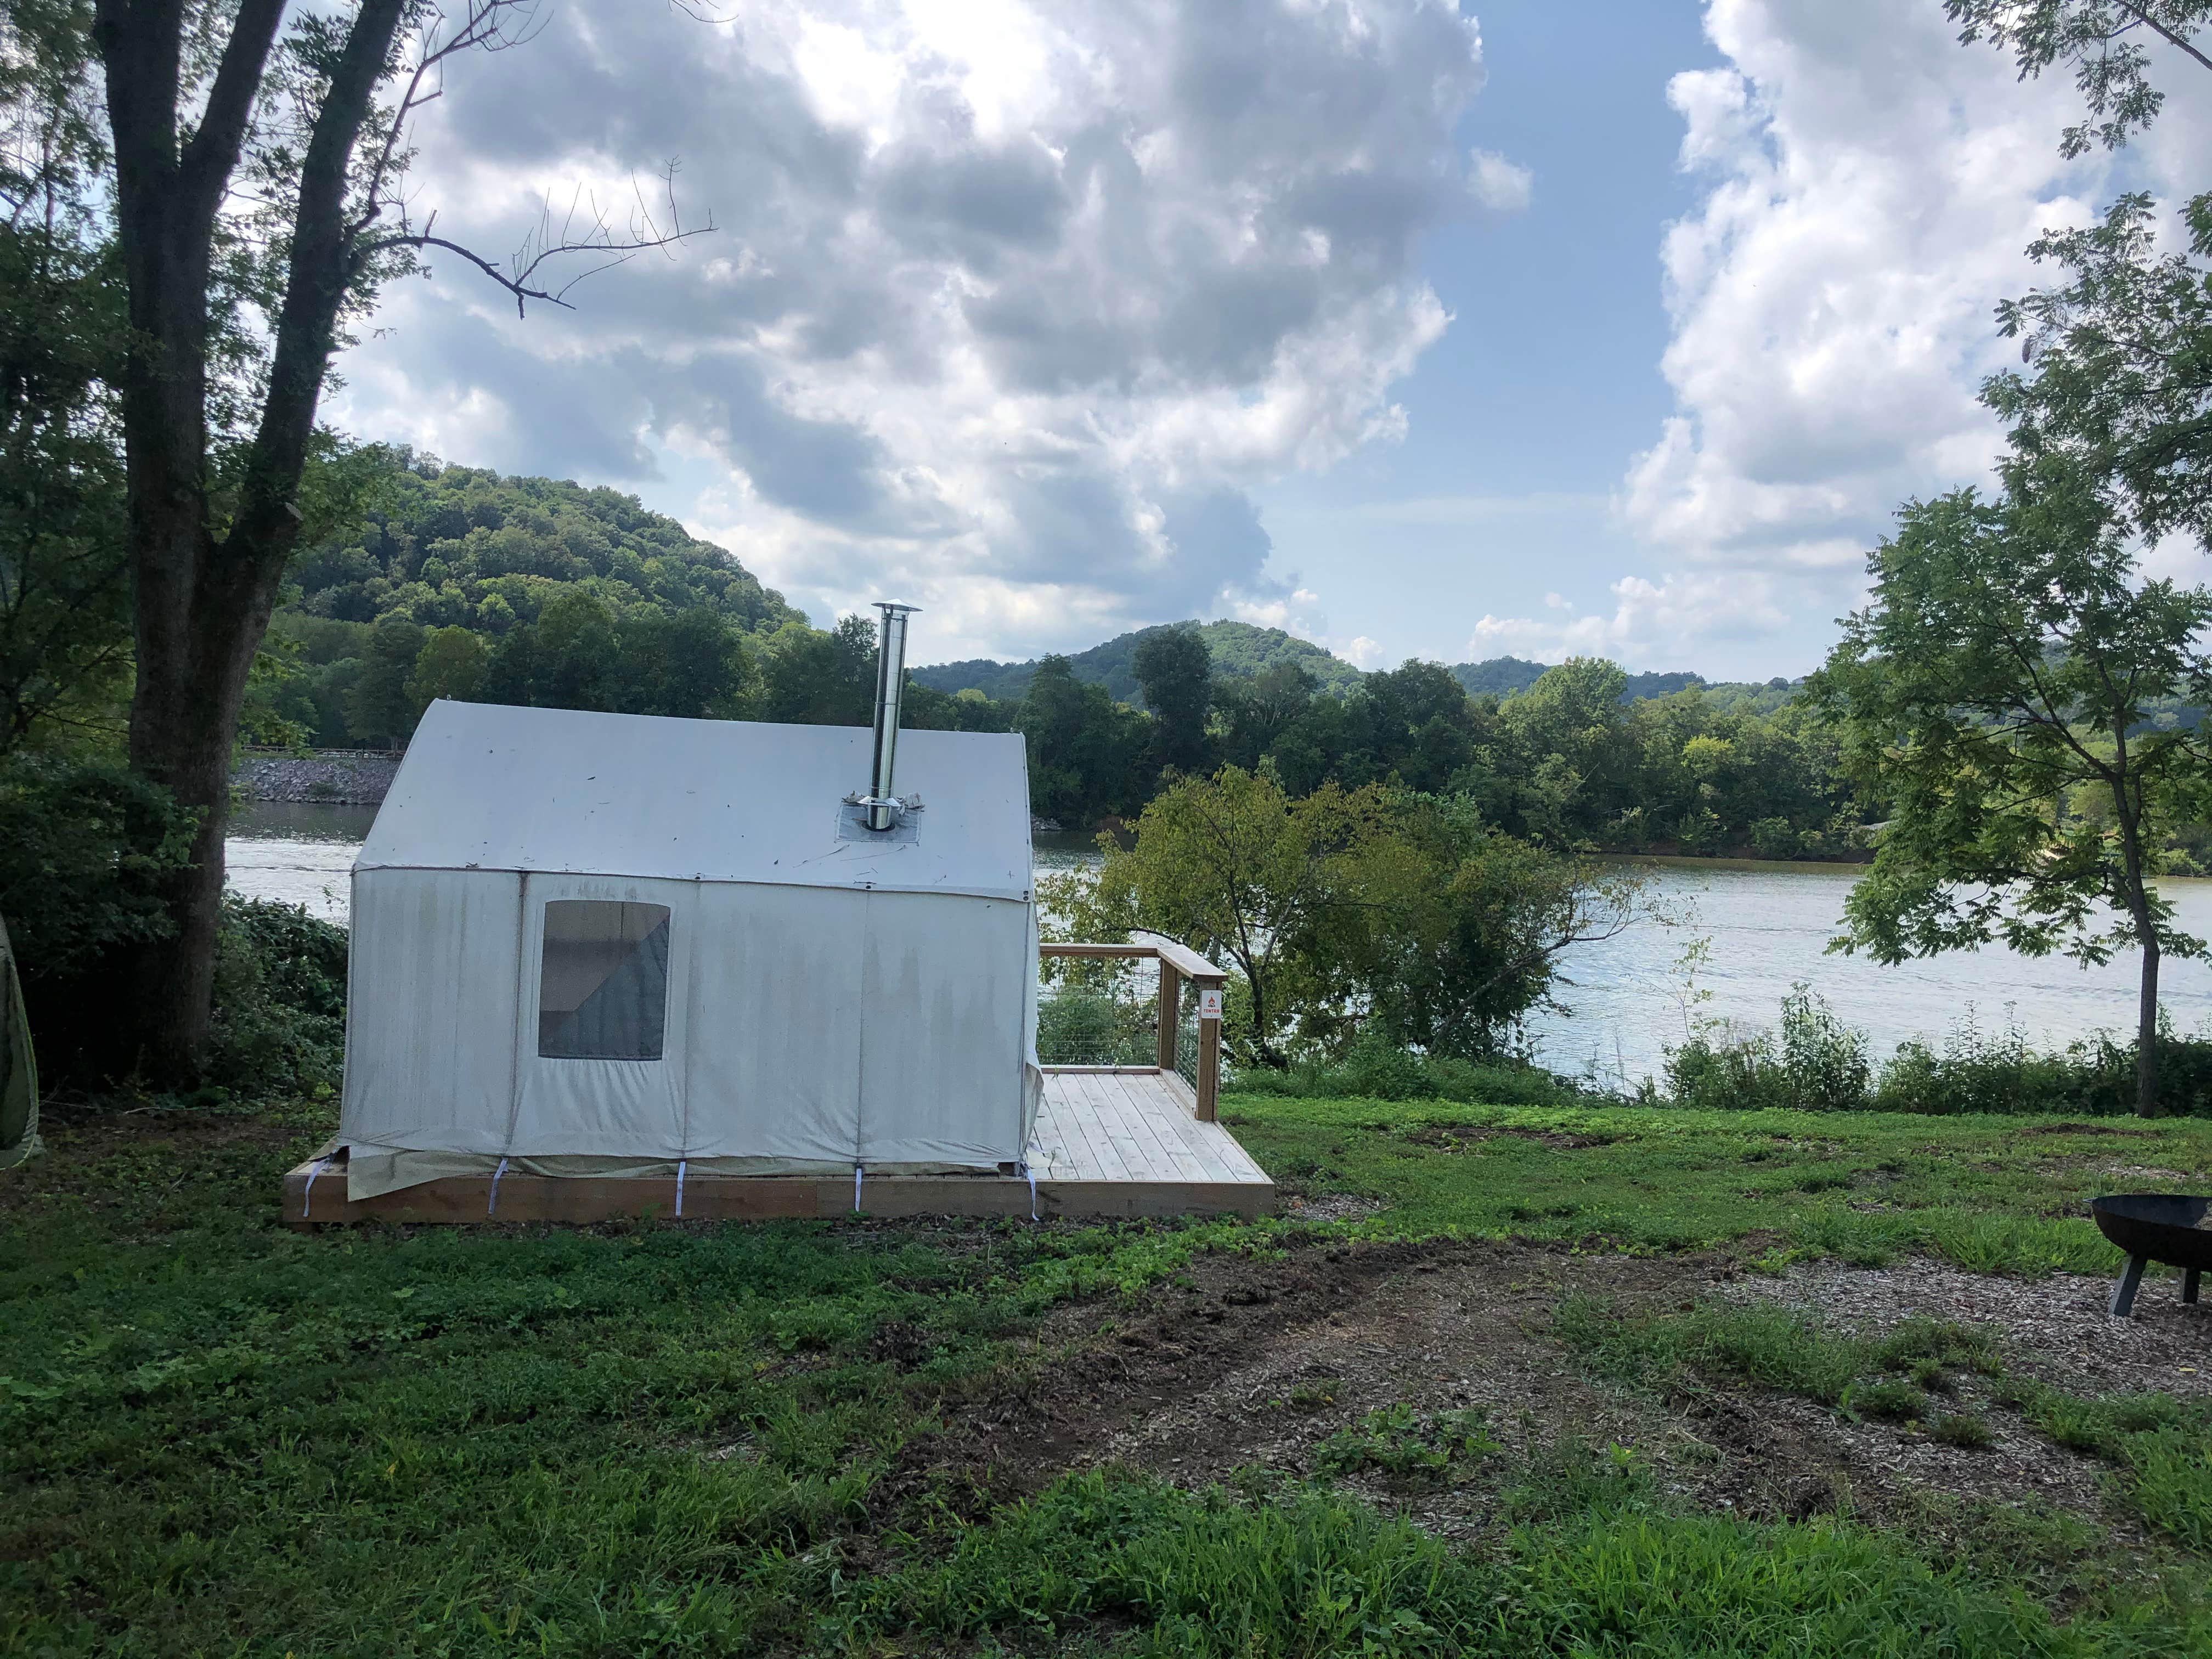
(352, 777)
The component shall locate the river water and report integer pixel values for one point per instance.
(1766, 926)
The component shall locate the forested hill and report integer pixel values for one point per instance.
(1501, 677)
(460, 582)
(1239, 651)
(448, 546)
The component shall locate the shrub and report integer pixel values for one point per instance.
(1816, 1062)
(1375, 1069)
(85, 845)
(280, 996)
(1080, 1026)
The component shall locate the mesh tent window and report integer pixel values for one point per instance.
(602, 981)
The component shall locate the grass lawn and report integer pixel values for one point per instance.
(1546, 1391)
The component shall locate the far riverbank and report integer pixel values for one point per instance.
(1625, 999)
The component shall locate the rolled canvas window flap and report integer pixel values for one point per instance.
(601, 1029)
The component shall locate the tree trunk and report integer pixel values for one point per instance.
(202, 601)
(2128, 810)
(2147, 1029)
(184, 719)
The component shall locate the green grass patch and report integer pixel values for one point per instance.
(1992, 1194)
(1304, 1572)
(217, 1436)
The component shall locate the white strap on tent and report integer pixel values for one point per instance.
(1031, 1174)
(679, 1189)
(307, 1197)
(491, 1200)
(856, 1189)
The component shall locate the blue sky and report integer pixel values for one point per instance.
(1421, 329)
(1521, 418)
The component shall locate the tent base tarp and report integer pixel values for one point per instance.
(19, 1069)
(1121, 1145)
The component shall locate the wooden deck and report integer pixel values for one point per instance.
(1108, 1144)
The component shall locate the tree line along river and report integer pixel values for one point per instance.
(1627, 999)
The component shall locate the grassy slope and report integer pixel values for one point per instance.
(217, 1436)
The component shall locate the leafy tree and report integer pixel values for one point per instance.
(64, 589)
(811, 678)
(380, 708)
(2122, 356)
(1236, 868)
(1083, 747)
(1175, 669)
(451, 664)
(690, 665)
(1995, 692)
(257, 207)
(2105, 42)
(1469, 942)
(2121, 350)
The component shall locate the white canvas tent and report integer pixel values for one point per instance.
(591, 944)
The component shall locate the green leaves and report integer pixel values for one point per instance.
(1999, 692)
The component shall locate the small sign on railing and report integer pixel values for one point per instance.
(1209, 1004)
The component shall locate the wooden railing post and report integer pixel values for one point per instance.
(1170, 1014)
(1209, 1051)
(1180, 965)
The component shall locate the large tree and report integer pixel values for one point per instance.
(1175, 669)
(256, 210)
(2001, 692)
(2120, 350)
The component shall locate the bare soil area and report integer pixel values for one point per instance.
(1254, 1365)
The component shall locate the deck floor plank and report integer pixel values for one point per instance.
(1153, 1115)
(1105, 1162)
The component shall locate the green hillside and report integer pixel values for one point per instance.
(1501, 677)
(461, 582)
(447, 546)
(1239, 651)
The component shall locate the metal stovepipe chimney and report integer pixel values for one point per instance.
(882, 803)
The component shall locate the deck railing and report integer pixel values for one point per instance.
(1178, 965)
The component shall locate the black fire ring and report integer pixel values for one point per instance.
(2156, 1227)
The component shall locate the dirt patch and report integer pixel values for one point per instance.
(2055, 1328)
(1255, 1365)
(1335, 1206)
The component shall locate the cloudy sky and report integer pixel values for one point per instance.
(1619, 327)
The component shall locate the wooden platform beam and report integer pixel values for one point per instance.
(577, 1201)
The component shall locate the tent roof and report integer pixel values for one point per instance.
(487, 786)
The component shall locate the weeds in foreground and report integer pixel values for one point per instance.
(1424, 1446)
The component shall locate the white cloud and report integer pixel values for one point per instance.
(1873, 188)
(1011, 303)
(1651, 624)
(1361, 653)
(1870, 190)
(1501, 186)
